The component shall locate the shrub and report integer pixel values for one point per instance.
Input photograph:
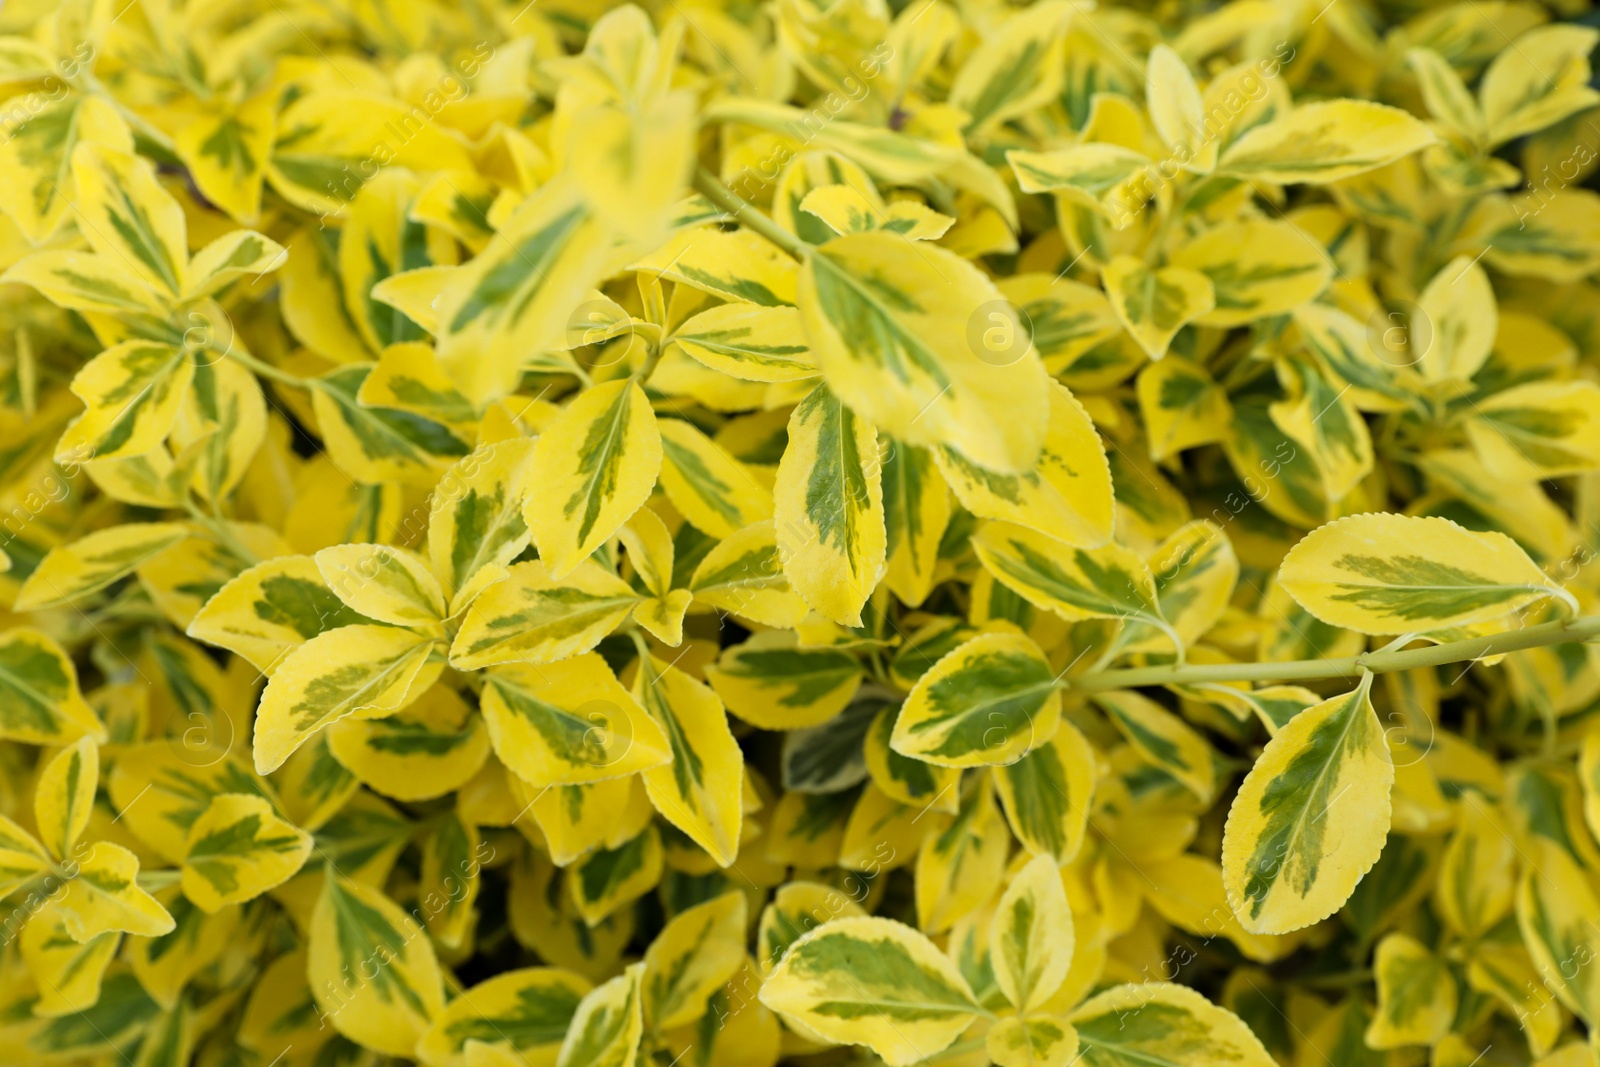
(848, 533)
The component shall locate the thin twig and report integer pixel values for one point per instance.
(1473, 648)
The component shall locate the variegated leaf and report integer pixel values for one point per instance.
(371, 968)
(695, 954)
(1311, 816)
(1066, 495)
(990, 701)
(93, 562)
(529, 1008)
(1158, 1024)
(271, 609)
(238, 849)
(595, 465)
(1386, 574)
(532, 617)
(609, 1022)
(828, 508)
(364, 669)
(890, 333)
(700, 790)
(569, 722)
(772, 683)
(911, 1004)
(40, 703)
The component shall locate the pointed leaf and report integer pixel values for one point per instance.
(873, 982)
(990, 701)
(367, 669)
(1311, 816)
(371, 968)
(828, 508)
(595, 465)
(569, 722)
(890, 333)
(1390, 574)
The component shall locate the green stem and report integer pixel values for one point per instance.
(223, 536)
(158, 879)
(1154, 250)
(1549, 633)
(266, 370)
(153, 133)
(1341, 980)
(710, 187)
(960, 1048)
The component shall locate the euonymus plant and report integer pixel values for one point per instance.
(827, 531)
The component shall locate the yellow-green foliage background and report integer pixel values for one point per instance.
(835, 532)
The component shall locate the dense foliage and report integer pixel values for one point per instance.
(838, 532)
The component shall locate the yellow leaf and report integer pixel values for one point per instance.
(1153, 305)
(63, 797)
(1539, 79)
(1311, 816)
(371, 968)
(710, 488)
(610, 878)
(911, 1004)
(40, 702)
(384, 584)
(1032, 1041)
(1046, 795)
(1540, 430)
(129, 218)
(35, 186)
(475, 516)
(529, 1009)
(1416, 995)
(741, 574)
(1257, 267)
(104, 896)
(226, 151)
(569, 722)
(1162, 1025)
(360, 669)
(828, 508)
(990, 701)
(595, 465)
(1449, 101)
(269, 610)
(69, 973)
(1390, 574)
(1324, 142)
(608, 1025)
(1031, 935)
(515, 297)
(742, 267)
(132, 392)
(900, 340)
(773, 683)
(1067, 495)
(1459, 317)
(1181, 405)
(699, 790)
(238, 849)
(1163, 739)
(695, 954)
(1176, 109)
(962, 861)
(431, 748)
